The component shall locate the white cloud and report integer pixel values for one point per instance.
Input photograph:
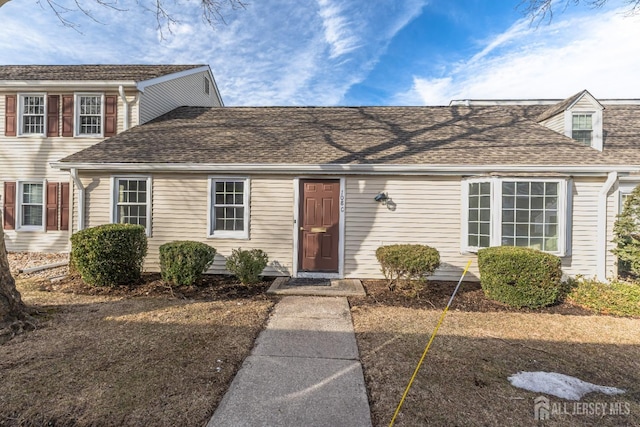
(595, 52)
(337, 28)
(273, 53)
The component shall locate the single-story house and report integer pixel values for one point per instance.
(321, 188)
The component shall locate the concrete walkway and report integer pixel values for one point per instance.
(303, 371)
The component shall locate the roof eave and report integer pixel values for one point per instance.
(347, 169)
(66, 83)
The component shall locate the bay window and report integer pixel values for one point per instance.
(515, 212)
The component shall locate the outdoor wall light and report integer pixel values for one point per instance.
(381, 198)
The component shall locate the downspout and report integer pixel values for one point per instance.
(126, 106)
(76, 180)
(601, 270)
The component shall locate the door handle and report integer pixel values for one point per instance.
(301, 228)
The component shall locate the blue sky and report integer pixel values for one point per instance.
(355, 52)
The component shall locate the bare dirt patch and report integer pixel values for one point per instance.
(132, 356)
(463, 380)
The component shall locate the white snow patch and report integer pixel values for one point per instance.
(559, 385)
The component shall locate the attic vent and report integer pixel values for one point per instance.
(206, 86)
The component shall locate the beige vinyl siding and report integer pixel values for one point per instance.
(188, 90)
(23, 158)
(427, 211)
(584, 253)
(180, 209)
(555, 123)
(583, 104)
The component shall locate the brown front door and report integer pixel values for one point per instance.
(319, 225)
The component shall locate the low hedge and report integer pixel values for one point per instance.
(109, 255)
(410, 262)
(520, 277)
(183, 262)
(247, 265)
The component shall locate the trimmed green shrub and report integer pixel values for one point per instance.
(247, 265)
(520, 277)
(183, 262)
(410, 262)
(109, 255)
(626, 231)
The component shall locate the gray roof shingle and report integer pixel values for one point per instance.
(135, 73)
(346, 135)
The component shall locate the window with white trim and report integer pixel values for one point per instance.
(515, 212)
(32, 111)
(31, 206)
(207, 85)
(89, 114)
(582, 127)
(132, 201)
(229, 207)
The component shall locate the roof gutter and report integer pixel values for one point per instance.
(601, 265)
(342, 168)
(81, 197)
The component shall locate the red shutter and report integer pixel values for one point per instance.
(53, 114)
(67, 115)
(9, 205)
(64, 206)
(52, 206)
(10, 123)
(110, 115)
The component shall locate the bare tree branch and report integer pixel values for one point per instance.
(213, 11)
(541, 11)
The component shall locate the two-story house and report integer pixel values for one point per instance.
(320, 189)
(51, 111)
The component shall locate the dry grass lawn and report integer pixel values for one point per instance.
(105, 360)
(463, 380)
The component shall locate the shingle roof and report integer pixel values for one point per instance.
(342, 135)
(559, 107)
(89, 72)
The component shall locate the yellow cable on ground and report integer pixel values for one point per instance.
(426, 349)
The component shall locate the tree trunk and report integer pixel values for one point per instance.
(14, 315)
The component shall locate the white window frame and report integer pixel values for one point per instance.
(21, 97)
(18, 217)
(207, 86)
(564, 220)
(76, 114)
(590, 114)
(115, 193)
(211, 220)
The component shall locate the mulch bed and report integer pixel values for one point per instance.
(436, 294)
(208, 287)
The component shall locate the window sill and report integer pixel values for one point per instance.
(228, 236)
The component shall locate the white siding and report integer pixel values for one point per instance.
(183, 91)
(179, 206)
(555, 123)
(584, 104)
(29, 158)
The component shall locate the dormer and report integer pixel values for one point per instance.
(578, 117)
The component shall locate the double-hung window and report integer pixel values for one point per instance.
(32, 114)
(132, 201)
(31, 206)
(515, 212)
(89, 114)
(229, 207)
(582, 127)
